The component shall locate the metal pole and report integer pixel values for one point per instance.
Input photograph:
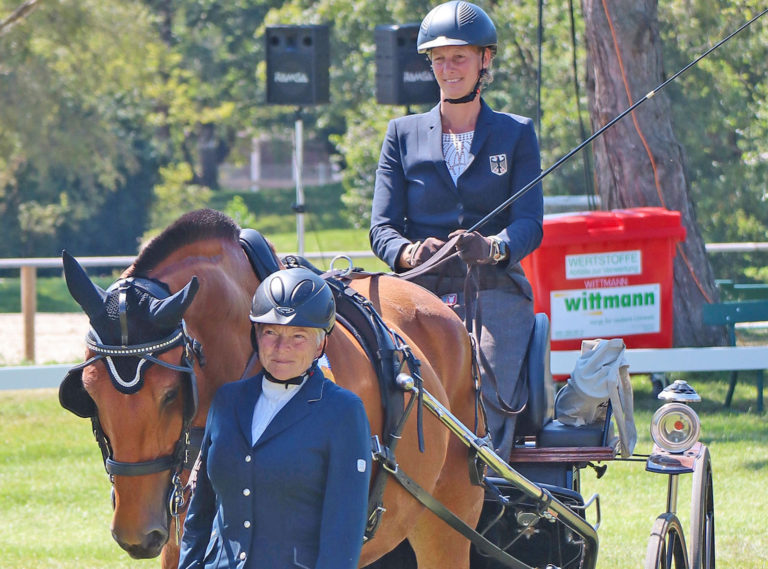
(298, 166)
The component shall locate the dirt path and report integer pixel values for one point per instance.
(59, 338)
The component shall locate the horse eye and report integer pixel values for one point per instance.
(170, 397)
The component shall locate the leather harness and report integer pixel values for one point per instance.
(387, 353)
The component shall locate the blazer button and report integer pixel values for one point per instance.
(242, 555)
(246, 524)
(246, 492)
(247, 458)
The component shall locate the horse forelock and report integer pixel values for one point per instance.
(194, 226)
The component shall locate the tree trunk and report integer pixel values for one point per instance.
(638, 162)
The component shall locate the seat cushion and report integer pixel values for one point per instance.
(556, 434)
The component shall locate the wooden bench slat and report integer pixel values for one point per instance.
(562, 454)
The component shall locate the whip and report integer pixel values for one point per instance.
(517, 195)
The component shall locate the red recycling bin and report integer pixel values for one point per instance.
(607, 274)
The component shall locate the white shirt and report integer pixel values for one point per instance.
(274, 396)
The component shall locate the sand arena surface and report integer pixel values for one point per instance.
(59, 338)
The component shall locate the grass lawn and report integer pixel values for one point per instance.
(55, 508)
(54, 494)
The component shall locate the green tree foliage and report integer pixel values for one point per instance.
(357, 123)
(719, 111)
(70, 109)
(208, 88)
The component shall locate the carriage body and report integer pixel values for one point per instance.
(553, 455)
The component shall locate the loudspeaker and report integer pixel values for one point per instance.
(298, 58)
(403, 75)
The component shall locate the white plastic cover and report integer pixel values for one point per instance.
(601, 374)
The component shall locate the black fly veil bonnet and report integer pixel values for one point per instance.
(132, 322)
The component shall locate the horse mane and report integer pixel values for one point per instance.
(194, 226)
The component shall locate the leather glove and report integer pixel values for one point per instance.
(473, 248)
(419, 252)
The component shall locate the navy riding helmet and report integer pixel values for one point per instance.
(456, 23)
(294, 297)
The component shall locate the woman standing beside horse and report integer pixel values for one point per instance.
(285, 464)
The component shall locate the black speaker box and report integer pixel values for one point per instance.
(298, 58)
(403, 76)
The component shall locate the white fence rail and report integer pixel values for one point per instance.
(562, 364)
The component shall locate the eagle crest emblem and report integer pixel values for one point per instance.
(499, 164)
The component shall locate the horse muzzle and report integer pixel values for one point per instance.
(139, 527)
(148, 545)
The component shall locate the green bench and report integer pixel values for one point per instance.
(728, 314)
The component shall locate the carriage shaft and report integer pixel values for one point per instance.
(493, 460)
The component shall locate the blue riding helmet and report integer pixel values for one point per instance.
(294, 297)
(456, 23)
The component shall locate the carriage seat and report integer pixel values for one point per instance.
(537, 422)
(540, 407)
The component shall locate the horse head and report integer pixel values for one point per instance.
(138, 387)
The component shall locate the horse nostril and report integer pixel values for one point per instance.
(155, 540)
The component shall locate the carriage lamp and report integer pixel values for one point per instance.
(675, 427)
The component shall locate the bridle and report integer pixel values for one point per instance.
(187, 447)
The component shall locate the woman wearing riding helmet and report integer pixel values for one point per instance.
(441, 172)
(283, 473)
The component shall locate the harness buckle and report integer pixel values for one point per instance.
(374, 520)
(383, 455)
(176, 503)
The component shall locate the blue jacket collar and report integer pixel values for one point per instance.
(297, 408)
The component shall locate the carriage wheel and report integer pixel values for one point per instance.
(666, 548)
(702, 534)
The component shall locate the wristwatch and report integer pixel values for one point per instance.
(499, 250)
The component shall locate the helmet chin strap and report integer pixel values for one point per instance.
(469, 97)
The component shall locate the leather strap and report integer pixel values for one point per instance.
(436, 507)
(445, 252)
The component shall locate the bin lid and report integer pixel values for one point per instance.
(613, 225)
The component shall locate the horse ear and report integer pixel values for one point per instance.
(89, 296)
(168, 311)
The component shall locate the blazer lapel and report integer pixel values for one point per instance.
(296, 409)
(482, 130)
(433, 128)
(247, 404)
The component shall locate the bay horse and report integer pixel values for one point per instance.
(186, 299)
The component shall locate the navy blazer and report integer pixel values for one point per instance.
(296, 498)
(415, 196)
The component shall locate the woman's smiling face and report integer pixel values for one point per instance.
(457, 68)
(288, 351)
